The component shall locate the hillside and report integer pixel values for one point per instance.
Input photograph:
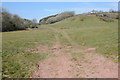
(93, 31)
(64, 49)
(56, 18)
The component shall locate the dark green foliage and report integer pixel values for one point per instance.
(29, 24)
(11, 22)
(26, 23)
(14, 22)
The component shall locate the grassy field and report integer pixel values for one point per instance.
(85, 31)
(90, 31)
(17, 61)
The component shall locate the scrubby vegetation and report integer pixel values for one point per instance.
(108, 16)
(107, 19)
(105, 16)
(57, 17)
(12, 22)
(43, 20)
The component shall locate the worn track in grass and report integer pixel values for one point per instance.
(60, 65)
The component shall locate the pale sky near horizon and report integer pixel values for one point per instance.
(38, 10)
(60, 0)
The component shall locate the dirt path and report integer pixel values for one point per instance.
(96, 66)
(61, 65)
(58, 66)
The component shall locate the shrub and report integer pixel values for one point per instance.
(110, 15)
(64, 15)
(18, 23)
(34, 23)
(68, 13)
(44, 20)
(82, 19)
(60, 17)
(14, 22)
(11, 22)
(107, 19)
(51, 20)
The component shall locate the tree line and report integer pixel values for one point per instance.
(12, 22)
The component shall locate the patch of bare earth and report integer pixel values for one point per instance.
(60, 65)
(39, 49)
(94, 65)
(55, 67)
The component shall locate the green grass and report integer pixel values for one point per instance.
(92, 32)
(104, 39)
(17, 61)
(86, 31)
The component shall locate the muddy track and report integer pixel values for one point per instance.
(60, 65)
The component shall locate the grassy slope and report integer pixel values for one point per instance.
(87, 31)
(16, 60)
(90, 31)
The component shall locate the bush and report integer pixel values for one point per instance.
(11, 22)
(60, 17)
(110, 15)
(18, 23)
(44, 20)
(82, 19)
(64, 15)
(14, 22)
(107, 19)
(56, 18)
(51, 20)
